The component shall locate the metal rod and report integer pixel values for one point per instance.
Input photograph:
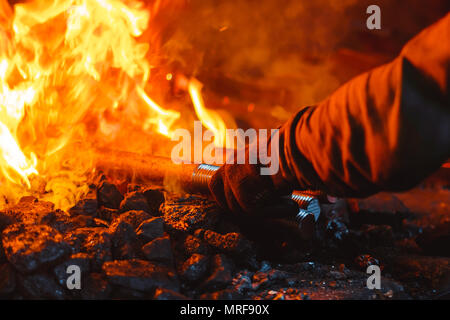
(193, 178)
(309, 208)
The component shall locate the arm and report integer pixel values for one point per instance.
(384, 130)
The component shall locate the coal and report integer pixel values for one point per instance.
(98, 245)
(260, 279)
(2, 253)
(221, 275)
(58, 220)
(82, 221)
(363, 261)
(96, 242)
(435, 240)
(107, 214)
(28, 210)
(133, 218)
(7, 279)
(95, 287)
(159, 249)
(155, 198)
(6, 219)
(126, 251)
(408, 245)
(195, 268)
(100, 223)
(378, 235)
(432, 273)
(140, 275)
(131, 187)
(41, 286)
(150, 229)
(136, 201)
(81, 260)
(29, 247)
(199, 233)
(225, 294)
(75, 239)
(85, 207)
(190, 213)
(109, 196)
(242, 282)
(337, 231)
(122, 293)
(232, 242)
(185, 243)
(338, 275)
(123, 228)
(194, 245)
(167, 294)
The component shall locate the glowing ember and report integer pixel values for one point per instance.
(74, 73)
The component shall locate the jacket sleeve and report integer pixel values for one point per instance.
(385, 130)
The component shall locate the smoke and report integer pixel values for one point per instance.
(269, 41)
(291, 43)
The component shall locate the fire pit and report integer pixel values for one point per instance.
(89, 95)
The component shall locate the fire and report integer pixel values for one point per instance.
(12, 158)
(165, 118)
(74, 73)
(209, 118)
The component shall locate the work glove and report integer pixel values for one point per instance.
(241, 188)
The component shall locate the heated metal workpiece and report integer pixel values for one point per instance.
(201, 176)
(308, 214)
(192, 178)
(307, 202)
(309, 208)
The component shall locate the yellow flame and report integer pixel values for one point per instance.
(63, 62)
(164, 119)
(210, 119)
(73, 73)
(12, 158)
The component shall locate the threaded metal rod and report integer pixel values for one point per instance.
(201, 176)
(307, 202)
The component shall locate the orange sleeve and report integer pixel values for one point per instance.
(385, 130)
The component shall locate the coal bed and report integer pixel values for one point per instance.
(133, 241)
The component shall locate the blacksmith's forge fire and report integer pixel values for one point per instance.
(75, 75)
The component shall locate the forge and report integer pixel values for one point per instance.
(94, 98)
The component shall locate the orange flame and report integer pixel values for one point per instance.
(165, 118)
(209, 118)
(64, 65)
(12, 158)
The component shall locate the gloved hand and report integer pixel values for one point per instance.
(240, 188)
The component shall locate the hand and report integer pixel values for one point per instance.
(240, 188)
